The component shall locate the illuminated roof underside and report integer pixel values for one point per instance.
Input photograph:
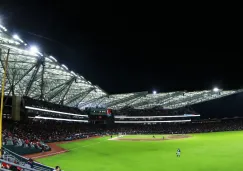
(41, 76)
(171, 100)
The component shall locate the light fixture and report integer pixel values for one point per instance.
(215, 89)
(15, 36)
(34, 49)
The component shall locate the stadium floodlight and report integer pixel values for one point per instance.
(215, 89)
(15, 36)
(154, 92)
(3, 28)
(53, 58)
(64, 66)
(34, 49)
(74, 74)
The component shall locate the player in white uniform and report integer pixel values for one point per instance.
(178, 152)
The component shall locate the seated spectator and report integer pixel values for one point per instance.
(29, 164)
(5, 165)
(14, 168)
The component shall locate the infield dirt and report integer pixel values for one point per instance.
(170, 137)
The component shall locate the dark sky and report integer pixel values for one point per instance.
(123, 51)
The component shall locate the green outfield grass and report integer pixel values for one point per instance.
(203, 152)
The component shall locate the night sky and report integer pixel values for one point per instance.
(122, 51)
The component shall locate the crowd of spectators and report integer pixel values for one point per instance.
(19, 166)
(179, 128)
(157, 111)
(21, 135)
(37, 133)
(6, 165)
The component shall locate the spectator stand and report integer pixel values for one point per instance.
(18, 166)
(9, 156)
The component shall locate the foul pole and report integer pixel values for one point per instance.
(5, 67)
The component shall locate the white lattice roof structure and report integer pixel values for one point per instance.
(40, 76)
(170, 100)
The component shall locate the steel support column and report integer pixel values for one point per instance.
(79, 95)
(65, 85)
(42, 81)
(66, 92)
(32, 79)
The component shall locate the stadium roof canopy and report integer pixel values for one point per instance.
(40, 76)
(170, 100)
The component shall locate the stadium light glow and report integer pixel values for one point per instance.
(215, 89)
(34, 49)
(175, 121)
(64, 66)
(54, 59)
(74, 73)
(53, 111)
(15, 36)
(3, 28)
(58, 119)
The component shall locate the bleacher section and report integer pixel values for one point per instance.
(12, 158)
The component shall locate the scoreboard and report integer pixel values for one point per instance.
(101, 116)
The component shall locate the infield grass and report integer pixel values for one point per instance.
(221, 151)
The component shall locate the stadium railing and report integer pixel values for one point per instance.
(4, 169)
(11, 157)
(14, 164)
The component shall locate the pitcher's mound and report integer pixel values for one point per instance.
(169, 137)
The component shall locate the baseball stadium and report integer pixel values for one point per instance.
(54, 119)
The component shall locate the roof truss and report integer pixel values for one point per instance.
(40, 76)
